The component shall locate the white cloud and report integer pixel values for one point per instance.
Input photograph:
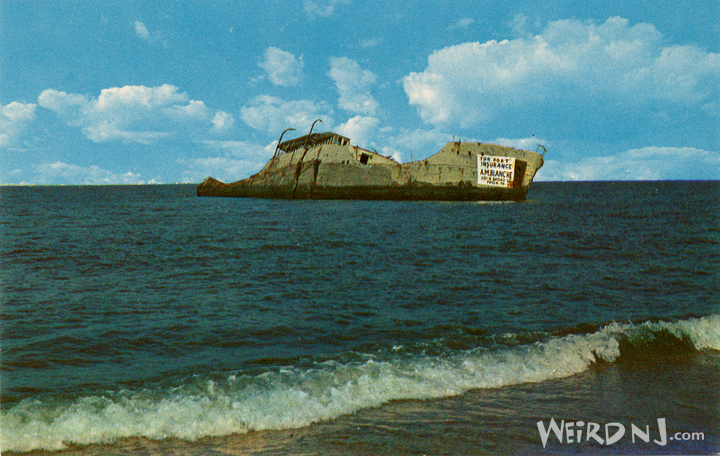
(402, 145)
(233, 160)
(648, 163)
(273, 115)
(322, 8)
(422, 143)
(353, 84)
(222, 121)
(419, 144)
(462, 23)
(395, 155)
(142, 31)
(14, 119)
(520, 28)
(522, 143)
(283, 68)
(63, 173)
(371, 42)
(242, 149)
(221, 168)
(361, 130)
(135, 113)
(597, 65)
(19, 112)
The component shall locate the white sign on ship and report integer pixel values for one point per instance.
(497, 171)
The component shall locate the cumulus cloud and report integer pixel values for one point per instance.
(603, 65)
(14, 119)
(230, 161)
(353, 85)
(273, 115)
(222, 121)
(282, 68)
(648, 163)
(422, 143)
(63, 173)
(361, 130)
(135, 113)
(410, 144)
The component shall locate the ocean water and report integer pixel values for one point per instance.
(146, 320)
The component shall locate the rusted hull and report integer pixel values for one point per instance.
(416, 192)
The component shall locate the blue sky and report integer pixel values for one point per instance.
(168, 91)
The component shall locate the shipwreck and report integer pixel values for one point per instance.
(327, 166)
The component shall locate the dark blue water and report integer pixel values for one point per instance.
(145, 319)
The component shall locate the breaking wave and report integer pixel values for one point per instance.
(292, 397)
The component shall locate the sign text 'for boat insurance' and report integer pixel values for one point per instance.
(497, 171)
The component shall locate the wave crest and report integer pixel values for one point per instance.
(293, 397)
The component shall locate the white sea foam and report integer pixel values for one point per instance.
(294, 398)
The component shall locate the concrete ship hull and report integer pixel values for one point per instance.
(325, 166)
